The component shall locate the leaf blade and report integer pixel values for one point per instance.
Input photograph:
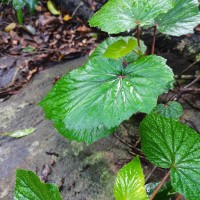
(169, 144)
(120, 49)
(118, 16)
(102, 47)
(29, 186)
(181, 19)
(130, 182)
(84, 99)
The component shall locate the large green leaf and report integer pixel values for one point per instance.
(28, 186)
(181, 19)
(169, 144)
(118, 16)
(104, 93)
(120, 49)
(130, 181)
(171, 109)
(101, 48)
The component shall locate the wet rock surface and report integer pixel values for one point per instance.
(88, 171)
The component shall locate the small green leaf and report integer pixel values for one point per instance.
(169, 144)
(181, 19)
(171, 109)
(118, 16)
(130, 181)
(132, 56)
(28, 49)
(28, 186)
(18, 4)
(19, 133)
(120, 49)
(31, 5)
(103, 93)
(165, 193)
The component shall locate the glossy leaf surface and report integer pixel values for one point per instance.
(172, 109)
(101, 48)
(169, 144)
(181, 19)
(104, 93)
(28, 186)
(130, 181)
(118, 16)
(120, 49)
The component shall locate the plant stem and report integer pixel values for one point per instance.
(154, 40)
(138, 35)
(160, 185)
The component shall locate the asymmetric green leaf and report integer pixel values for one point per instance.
(169, 144)
(118, 16)
(102, 48)
(120, 49)
(28, 186)
(171, 109)
(130, 181)
(181, 19)
(104, 93)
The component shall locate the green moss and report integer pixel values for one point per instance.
(76, 147)
(94, 158)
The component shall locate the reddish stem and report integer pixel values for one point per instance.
(160, 185)
(154, 40)
(138, 35)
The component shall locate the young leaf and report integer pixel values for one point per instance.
(19, 133)
(29, 186)
(130, 181)
(118, 16)
(169, 144)
(181, 19)
(120, 49)
(104, 93)
(132, 56)
(172, 109)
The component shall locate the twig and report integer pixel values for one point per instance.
(159, 186)
(126, 143)
(185, 89)
(77, 7)
(194, 63)
(154, 40)
(193, 82)
(152, 171)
